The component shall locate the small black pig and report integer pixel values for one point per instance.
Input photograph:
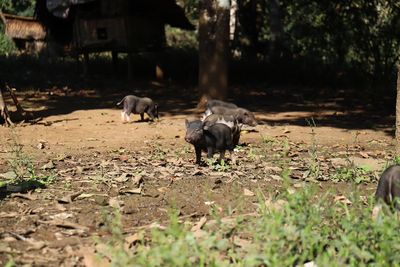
(389, 186)
(228, 120)
(213, 103)
(242, 115)
(138, 105)
(217, 138)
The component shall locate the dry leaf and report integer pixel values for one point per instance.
(199, 224)
(65, 224)
(114, 202)
(62, 216)
(8, 175)
(343, 199)
(123, 178)
(276, 205)
(131, 240)
(163, 189)
(35, 245)
(8, 214)
(248, 193)
(131, 191)
(276, 177)
(243, 243)
(24, 196)
(40, 145)
(48, 166)
(83, 196)
(310, 264)
(69, 198)
(90, 259)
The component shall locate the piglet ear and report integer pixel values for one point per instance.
(186, 123)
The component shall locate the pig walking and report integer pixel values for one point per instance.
(138, 105)
(217, 138)
(389, 185)
(388, 190)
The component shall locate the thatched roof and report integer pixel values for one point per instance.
(26, 28)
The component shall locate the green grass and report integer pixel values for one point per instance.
(23, 173)
(304, 228)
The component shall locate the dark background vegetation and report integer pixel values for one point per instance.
(319, 43)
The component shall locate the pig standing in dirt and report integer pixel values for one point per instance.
(217, 138)
(138, 105)
(228, 120)
(388, 190)
(242, 115)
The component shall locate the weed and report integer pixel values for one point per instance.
(25, 173)
(10, 263)
(352, 173)
(158, 152)
(252, 154)
(284, 161)
(217, 165)
(302, 228)
(314, 164)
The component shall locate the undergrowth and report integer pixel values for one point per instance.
(289, 231)
(22, 171)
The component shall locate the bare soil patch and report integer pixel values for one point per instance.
(143, 169)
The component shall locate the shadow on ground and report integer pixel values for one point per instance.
(55, 90)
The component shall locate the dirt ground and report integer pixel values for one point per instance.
(143, 169)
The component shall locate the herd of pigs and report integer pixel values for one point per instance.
(219, 130)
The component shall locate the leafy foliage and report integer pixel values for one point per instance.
(18, 7)
(6, 45)
(300, 229)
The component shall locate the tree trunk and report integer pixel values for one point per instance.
(398, 112)
(275, 22)
(248, 21)
(4, 111)
(213, 49)
(232, 19)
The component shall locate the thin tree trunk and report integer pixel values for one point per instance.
(275, 21)
(232, 19)
(4, 111)
(398, 112)
(213, 49)
(248, 20)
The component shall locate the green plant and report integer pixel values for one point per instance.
(352, 173)
(216, 165)
(7, 46)
(314, 163)
(24, 170)
(10, 263)
(158, 152)
(288, 231)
